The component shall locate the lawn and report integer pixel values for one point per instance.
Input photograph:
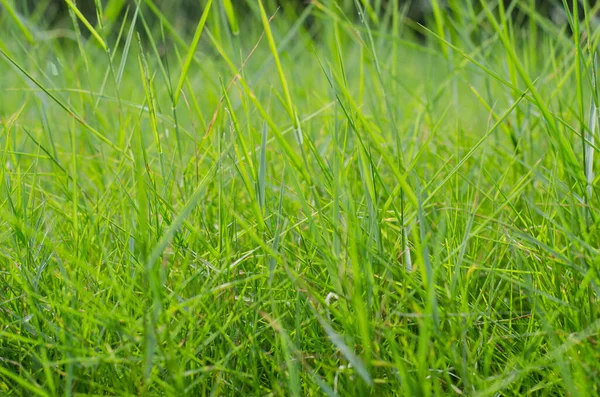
(325, 200)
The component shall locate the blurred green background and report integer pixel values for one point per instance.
(185, 12)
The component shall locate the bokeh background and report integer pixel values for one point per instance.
(185, 12)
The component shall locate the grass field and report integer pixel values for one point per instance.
(334, 202)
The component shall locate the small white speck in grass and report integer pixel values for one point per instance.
(335, 378)
(244, 298)
(298, 132)
(299, 136)
(328, 298)
(52, 69)
(589, 150)
(331, 295)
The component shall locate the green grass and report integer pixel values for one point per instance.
(326, 203)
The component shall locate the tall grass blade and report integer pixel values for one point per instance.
(191, 52)
(84, 20)
(230, 12)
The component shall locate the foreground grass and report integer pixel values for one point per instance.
(319, 205)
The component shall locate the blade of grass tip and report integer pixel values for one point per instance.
(83, 20)
(80, 41)
(190, 55)
(230, 12)
(372, 13)
(65, 107)
(99, 15)
(273, 47)
(164, 68)
(439, 24)
(126, 47)
(15, 17)
(108, 71)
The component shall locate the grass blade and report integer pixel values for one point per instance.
(191, 52)
(230, 12)
(84, 20)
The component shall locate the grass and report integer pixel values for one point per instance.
(335, 201)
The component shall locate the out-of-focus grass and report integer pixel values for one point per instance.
(320, 204)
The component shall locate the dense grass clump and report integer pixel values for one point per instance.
(338, 201)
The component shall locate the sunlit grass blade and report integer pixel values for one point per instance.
(84, 20)
(262, 168)
(191, 52)
(18, 20)
(230, 12)
(284, 84)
